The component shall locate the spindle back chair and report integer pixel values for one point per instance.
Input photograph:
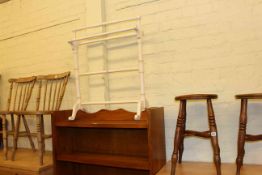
(20, 92)
(51, 89)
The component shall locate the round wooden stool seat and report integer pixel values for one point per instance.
(249, 96)
(196, 97)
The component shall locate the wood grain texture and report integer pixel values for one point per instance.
(201, 168)
(196, 97)
(181, 131)
(20, 92)
(214, 136)
(242, 134)
(109, 142)
(51, 89)
(249, 96)
(26, 164)
(179, 134)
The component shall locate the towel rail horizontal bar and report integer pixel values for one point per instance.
(107, 39)
(103, 34)
(109, 102)
(106, 23)
(109, 71)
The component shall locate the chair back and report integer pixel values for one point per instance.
(51, 91)
(20, 93)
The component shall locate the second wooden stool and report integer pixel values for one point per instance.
(181, 131)
(242, 135)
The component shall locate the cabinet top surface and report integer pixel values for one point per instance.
(103, 119)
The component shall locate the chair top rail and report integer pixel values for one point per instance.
(53, 76)
(22, 80)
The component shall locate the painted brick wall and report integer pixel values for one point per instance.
(201, 46)
(34, 37)
(190, 46)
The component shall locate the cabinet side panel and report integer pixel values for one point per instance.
(56, 116)
(157, 139)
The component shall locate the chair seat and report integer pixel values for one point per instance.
(249, 96)
(196, 97)
(5, 112)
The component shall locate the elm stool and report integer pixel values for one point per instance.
(181, 131)
(242, 135)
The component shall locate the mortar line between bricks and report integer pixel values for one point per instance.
(135, 5)
(40, 29)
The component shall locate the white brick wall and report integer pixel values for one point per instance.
(43, 48)
(190, 46)
(196, 46)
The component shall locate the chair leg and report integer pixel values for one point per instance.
(15, 140)
(178, 136)
(43, 132)
(241, 135)
(5, 139)
(181, 147)
(39, 138)
(13, 129)
(12, 123)
(28, 133)
(214, 137)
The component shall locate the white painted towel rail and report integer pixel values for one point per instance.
(102, 37)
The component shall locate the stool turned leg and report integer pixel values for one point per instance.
(181, 147)
(241, 135)
(178, 136)
(214, 139)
